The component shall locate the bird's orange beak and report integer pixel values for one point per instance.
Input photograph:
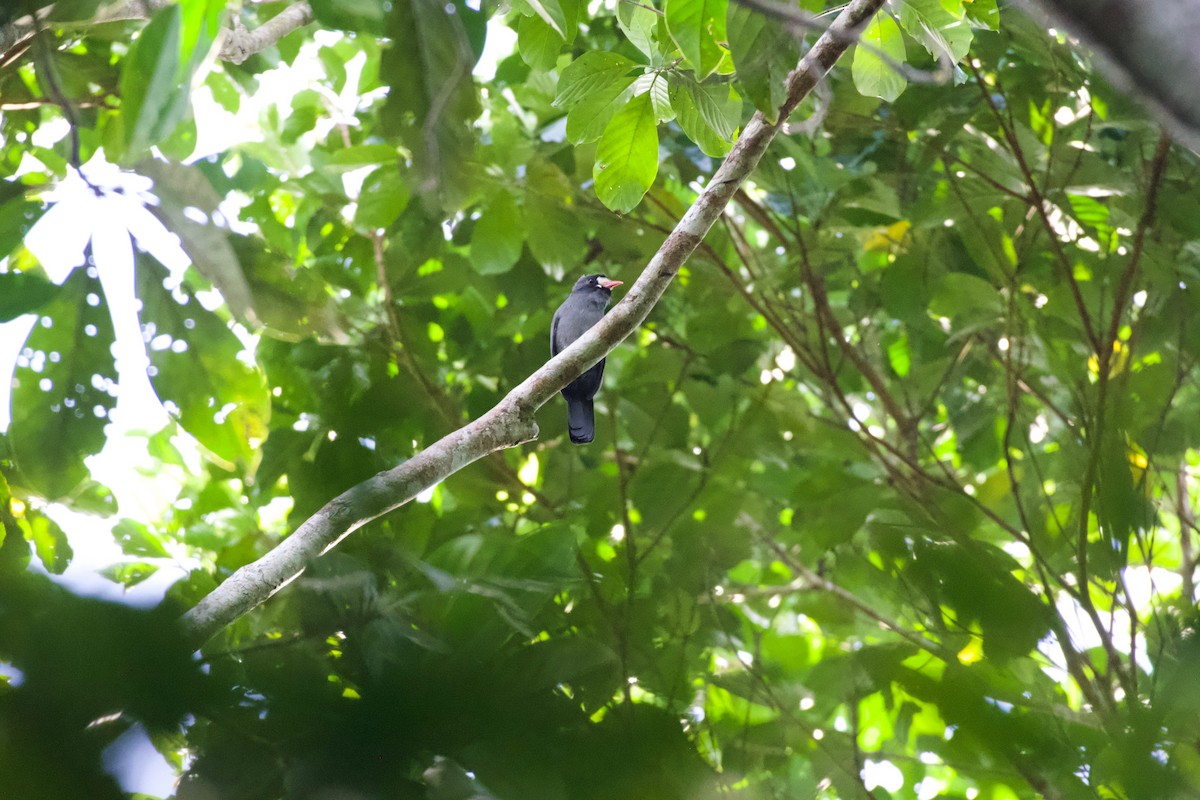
(608, 283)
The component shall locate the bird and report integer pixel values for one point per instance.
(579, 312)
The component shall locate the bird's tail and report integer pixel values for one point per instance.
(581, 421)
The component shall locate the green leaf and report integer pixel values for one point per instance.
(961, 294)
(763, 53)
(906, 290)
(224, 91)
(181, 142)
(1093, 214)
(538, 43)
(201, 25)
(1120, 506)
(383, 198)
(898, 356)
(660, 490)
(697, 26)
(554, 231)
(157, 73)
(638, 23)
(129, 574)
(572, 10)
(432, 96)
(363, 155)
(197, 370)
(152, 99)
(498, 236)
(180, 188)
(709, 115)
(983, 13)
(627, 156)
(307, 108)
(64, 388)
(873, 75)
(654, 85)
(93, 497)
(23, 293)
(988, 246)
(592, 89)
(17, 218)
(552, 13)
(137, 539)
(592, 72)
(941, 33)
(50, 543)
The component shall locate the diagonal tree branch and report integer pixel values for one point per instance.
(240, 43)
(511, 422)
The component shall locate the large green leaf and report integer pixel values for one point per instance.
(201, 25)
(198, 370)
(709, 115)
(129, 574)
(432, 98)
(639, 23)
(698, 27)
(538, 43)
(64, 388)
(878, 59)
(183, 190)
(553, 227)
(627, 156)
(136, 539)
(985, 13)
(592, 88)
(154, 101)
(157, 74)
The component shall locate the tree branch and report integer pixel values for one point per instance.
(511, 421)
(241, 43)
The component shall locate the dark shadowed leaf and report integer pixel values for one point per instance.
(64, 388)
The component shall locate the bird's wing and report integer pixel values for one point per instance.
(572, 320)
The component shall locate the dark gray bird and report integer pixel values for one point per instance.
(580, 311)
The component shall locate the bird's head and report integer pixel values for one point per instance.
(595, 283)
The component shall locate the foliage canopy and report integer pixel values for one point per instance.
(893, 495)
